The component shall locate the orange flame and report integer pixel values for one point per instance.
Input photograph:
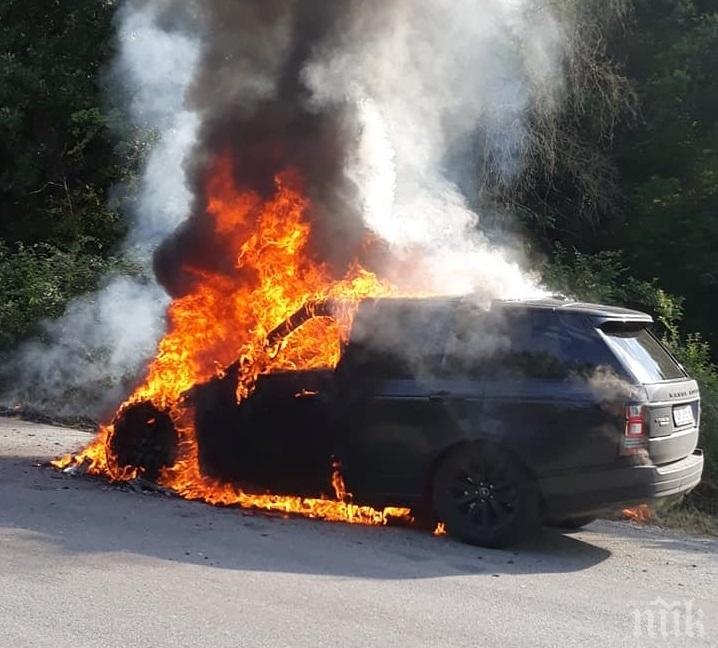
(223, 318)
(641, 513)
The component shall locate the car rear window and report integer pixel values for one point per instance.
(641, 353)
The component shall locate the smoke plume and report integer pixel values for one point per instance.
(393, 113)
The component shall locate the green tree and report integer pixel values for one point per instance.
(668, 162)
(631, 164)
(63, 155)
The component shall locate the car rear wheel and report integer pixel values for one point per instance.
(143, 437)
(485, 497)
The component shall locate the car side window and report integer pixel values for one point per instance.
(475, 340)
(366, 361)
(522, 344)
(397, 343)
(543, 346)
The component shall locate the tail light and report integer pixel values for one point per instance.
(635, 439)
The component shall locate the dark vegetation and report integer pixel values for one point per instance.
(619, 200)
(64, 154)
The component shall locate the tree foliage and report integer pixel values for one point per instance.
(668, 163)
(56, 148)
(63, 155)
(40, 279)
(633, 156)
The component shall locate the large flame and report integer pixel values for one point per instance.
(223, 319)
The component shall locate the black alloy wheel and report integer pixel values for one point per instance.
(485, 497)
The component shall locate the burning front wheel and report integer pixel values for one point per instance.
(144, 437)
(485, 497)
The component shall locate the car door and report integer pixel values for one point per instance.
(286, 441)
(394, 407)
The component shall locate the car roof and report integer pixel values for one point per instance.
(598, 311)
(602, 311)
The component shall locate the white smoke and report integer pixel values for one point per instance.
(90, 357)
(156, 68)
(86, 361)
(425, 77)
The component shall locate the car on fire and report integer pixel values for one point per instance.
(491, 420)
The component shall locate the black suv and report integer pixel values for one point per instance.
(488, 419)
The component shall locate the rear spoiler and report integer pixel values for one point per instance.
(639, 320)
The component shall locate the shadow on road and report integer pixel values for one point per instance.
(50, 513)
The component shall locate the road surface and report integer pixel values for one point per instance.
(85, 565)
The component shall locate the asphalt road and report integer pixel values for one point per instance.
(84, 564)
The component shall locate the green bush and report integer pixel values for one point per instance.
(37, 282)
(69, 156)
(695, 354)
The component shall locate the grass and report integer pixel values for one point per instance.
(686, 518)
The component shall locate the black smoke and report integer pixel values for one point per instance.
(254, 107)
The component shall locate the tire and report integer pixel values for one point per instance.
(574, 524)
(144, 437)
(485, 497)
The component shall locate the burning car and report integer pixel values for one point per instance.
(490, 420)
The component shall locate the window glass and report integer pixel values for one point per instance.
(642, 354)
(526, 343)
(406, 340)
(369, 362)
(397, 340)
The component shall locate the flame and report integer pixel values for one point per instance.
(641, 513)
(225, 318)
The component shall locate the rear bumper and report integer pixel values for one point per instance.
(606, 490)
